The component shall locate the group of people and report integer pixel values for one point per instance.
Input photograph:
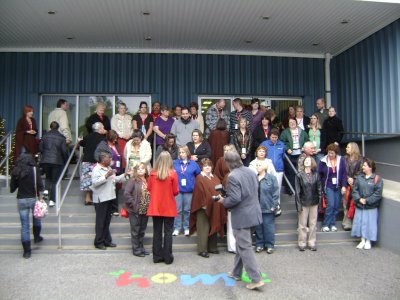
(200, 181)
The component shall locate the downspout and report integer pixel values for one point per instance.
(328, 58)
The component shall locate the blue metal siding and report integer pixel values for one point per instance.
(366, 83)
(170, 78)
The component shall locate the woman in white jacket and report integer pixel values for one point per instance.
(103, 187)
(137, 150)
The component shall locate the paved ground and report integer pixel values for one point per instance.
(334, 272)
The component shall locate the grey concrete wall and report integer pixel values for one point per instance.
(389, 217)
(383, 150)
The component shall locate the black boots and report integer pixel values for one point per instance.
(27, 249)
(36, 234)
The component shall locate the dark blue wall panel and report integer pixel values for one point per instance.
(366, 83)
(170, 78)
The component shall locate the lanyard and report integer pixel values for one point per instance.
(266, 132)
(238, 115)
(333, 165)
(184, 169)
(244, 139)
(143, 119)
(219, 113)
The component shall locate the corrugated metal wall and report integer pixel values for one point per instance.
(366, 83)
(170, 78)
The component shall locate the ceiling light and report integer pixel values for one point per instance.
(145, 13)
(148, 38)
(315, 44)
(248, 42)
(52, 12)
(345, 21)
(70, 38)
(265, 17)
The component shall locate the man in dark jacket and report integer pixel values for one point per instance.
(53, 148)
(243, 202)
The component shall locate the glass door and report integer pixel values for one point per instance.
(49, 103)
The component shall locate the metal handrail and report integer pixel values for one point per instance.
(7, 140)
(363, 134)
(59, 199)
(288, 182)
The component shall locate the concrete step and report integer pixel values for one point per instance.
(78, 222)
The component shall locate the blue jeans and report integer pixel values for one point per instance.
(265, 232)
(183, 204)
(333, 198)
(24, 206)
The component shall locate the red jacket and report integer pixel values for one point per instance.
(162, 195)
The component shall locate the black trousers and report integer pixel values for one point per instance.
(52, 172)
(163, 251)
(103, 219)
(138, 229)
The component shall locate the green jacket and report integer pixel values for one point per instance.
(286, 137)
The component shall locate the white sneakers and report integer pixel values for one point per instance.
(361, 244)
(333, 228)
(325, 229)
(51, 203)
(176, 232)
(364, 244)
(367, 245)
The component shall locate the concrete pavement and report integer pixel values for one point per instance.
(333, 272)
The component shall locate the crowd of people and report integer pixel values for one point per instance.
(218, 175)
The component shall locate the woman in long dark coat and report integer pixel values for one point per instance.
(218, 139)
(25, 133)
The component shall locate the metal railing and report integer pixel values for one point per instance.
(288, 182)
(7, 139)
(60, 199)
(364, 134)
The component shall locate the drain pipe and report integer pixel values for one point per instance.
(328, 58)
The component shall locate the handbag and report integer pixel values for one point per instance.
(41, 209)
(351, 209)
(124, 213)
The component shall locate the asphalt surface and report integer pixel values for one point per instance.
(333, 272)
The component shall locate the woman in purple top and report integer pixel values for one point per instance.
(332, 171)
(163, 125)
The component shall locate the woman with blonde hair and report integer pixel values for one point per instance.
(353, 162)
(187, 171)
(316, 136)
(98, 116)
(137, 200)
(163, 187)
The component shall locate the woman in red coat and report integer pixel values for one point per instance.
(26, 132)
(163, 187)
